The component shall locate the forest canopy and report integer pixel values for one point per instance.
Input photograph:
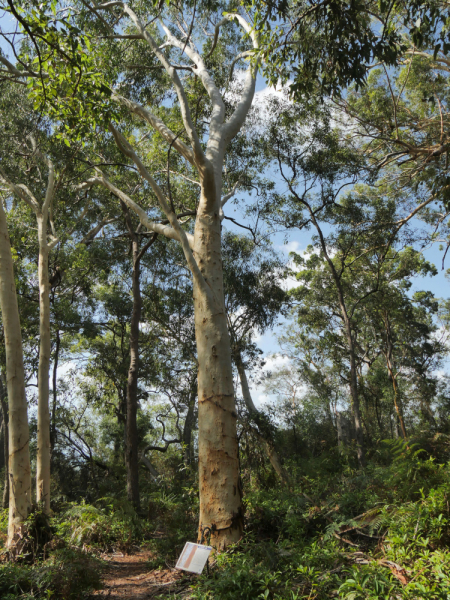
(224, 230)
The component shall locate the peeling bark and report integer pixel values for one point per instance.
(220, 491)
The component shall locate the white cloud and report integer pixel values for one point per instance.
(272, 92)
(274, 362)
(442, 334)
(441, 373)
(290, 283)
(261, 399)
(292, 246)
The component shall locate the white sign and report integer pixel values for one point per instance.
(193, 558)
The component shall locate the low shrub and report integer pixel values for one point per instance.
(111, 525)
(396, 523)
(68, 574)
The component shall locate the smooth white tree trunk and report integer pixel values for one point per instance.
(43, 421)
(42, 213)
(19, 452)
(46, 241)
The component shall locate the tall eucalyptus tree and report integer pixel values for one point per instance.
(205, 156)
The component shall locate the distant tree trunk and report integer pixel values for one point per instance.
(344, 430)
(427, 413)
(265, 439)
(120, 412)
(55, 390)
(19, 451)
(131, 451)
(350, 342)
(389, 356)
(189, 423)
(3, 456)
(131, 435)
(43, 421)
(151, 469)
(378, 414)
(354, 393)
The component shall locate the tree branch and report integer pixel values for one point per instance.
(126, 148)
(236, 120)
(22, 191)
(158, 125)
(218, 112)
(168, 232)
(199, 155)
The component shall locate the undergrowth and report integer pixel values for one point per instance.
(68, 574)
(379, 535)
(335, 533)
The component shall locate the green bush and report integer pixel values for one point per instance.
(291, 551)
(175, 520)
(111, 525)
(68, 574)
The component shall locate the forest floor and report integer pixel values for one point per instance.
(130, 576)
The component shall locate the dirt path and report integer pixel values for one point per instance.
(128, 576)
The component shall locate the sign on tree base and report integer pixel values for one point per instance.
(193, 558)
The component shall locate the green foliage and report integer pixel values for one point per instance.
(69, 86)
(174, 518)
(294, 545)
(111, 524)
(324, 46)
(68, 574)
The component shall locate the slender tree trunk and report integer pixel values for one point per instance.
(355, 395)
(189, 423)
(119, 441)
(427, 413)
(391, 369)
(220, 491)
(378, 414)
(55, 390)
(151, 469)
(350, 343)
(131, 451)
(43, 421)
(398, 409)
(4, 409)
(265, 440)
(19, 451)
(3, 456)
(131, 431)
(43, 417)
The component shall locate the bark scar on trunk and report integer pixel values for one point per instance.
(19, 449)
(233, 522)
(211, 399)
